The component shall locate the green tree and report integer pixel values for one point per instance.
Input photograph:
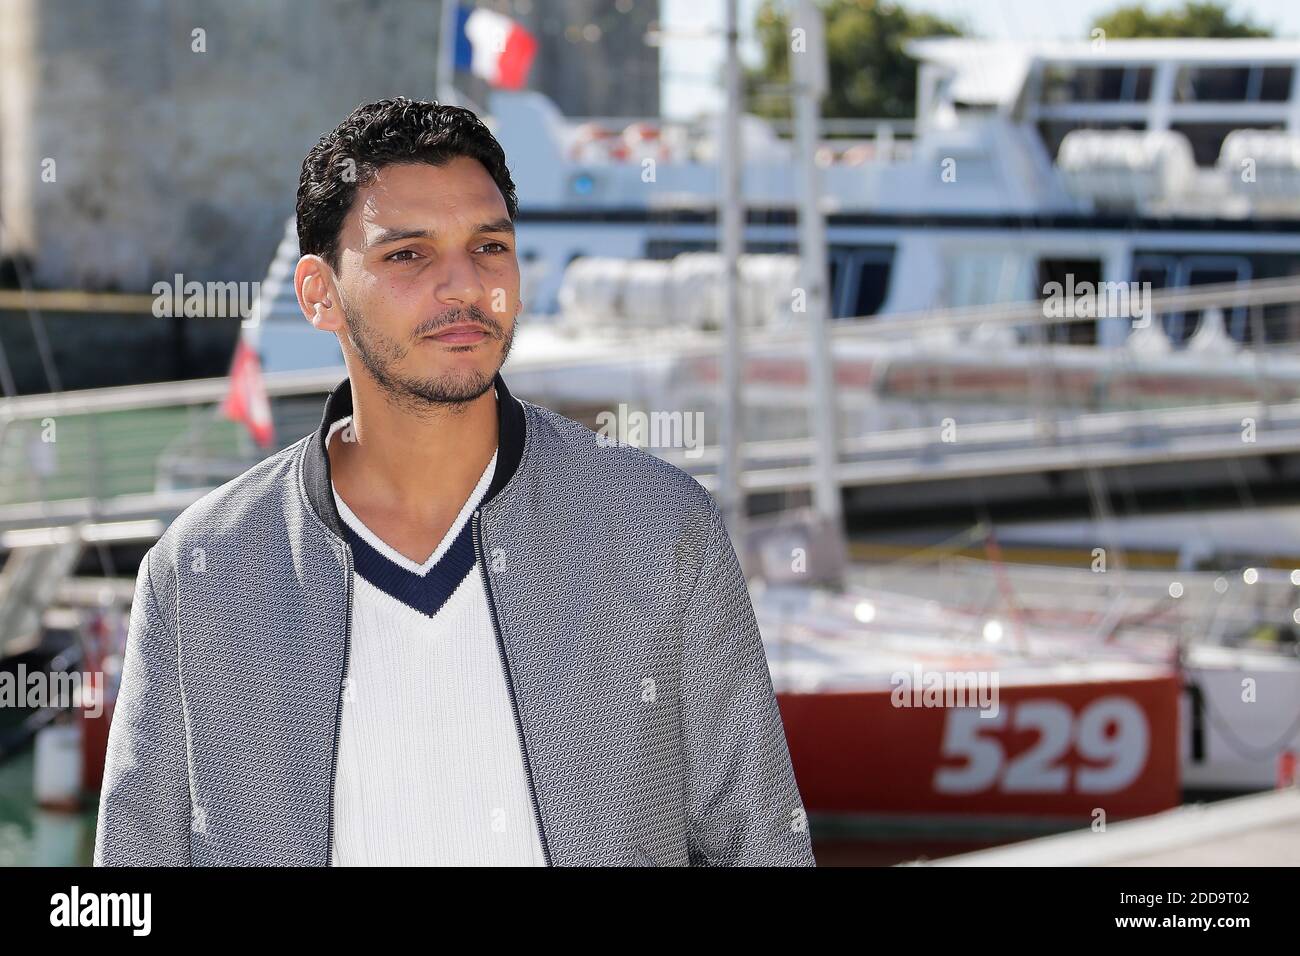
(1191, 20)
(870, 74)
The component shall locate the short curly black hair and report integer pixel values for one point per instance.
(376, 135)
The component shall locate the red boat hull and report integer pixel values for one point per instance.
(1053, 751)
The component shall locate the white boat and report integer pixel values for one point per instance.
(1173, 163)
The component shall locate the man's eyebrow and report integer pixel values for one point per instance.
(503, 224)
(386, 236)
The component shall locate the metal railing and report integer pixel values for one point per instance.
(137, 451)
(1024, 404)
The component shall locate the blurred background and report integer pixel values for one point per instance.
(982, 322)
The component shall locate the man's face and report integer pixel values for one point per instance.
(429, 281)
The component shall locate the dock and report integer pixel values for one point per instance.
(1255, 830)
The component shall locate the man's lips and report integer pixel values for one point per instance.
(463, 333)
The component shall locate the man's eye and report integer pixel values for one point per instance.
(401, 252)
(500, 247)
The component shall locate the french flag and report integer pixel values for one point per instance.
(493, 47)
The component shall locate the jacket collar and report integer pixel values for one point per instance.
(316, 462)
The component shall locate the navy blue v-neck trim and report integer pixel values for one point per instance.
(426, 592)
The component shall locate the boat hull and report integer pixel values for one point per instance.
(1080, 752)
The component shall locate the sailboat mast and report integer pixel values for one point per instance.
(808, 75)
(731, 218)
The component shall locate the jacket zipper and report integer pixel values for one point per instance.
(338, 714)
(510, 685)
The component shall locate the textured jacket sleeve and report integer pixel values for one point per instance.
(742, 800)
(144, 805)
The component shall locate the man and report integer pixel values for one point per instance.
(450, 626)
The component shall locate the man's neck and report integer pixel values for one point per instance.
(416, 462)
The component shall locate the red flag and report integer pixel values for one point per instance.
(246, 401)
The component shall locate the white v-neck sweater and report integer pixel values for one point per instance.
(430, 767)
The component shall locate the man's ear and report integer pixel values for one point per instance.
(318, 295)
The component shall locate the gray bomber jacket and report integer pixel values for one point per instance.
(643, 700)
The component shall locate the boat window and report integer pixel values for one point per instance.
(1233, 84)
(1140, 78)
(1157, 270)
(873, 285)
(1071, 274)
(859, 279)
(1215, 84)
(1215, 270)
(1275, 84)
(1184, 270)
(1096, 84)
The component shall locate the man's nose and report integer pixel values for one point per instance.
(459, 282)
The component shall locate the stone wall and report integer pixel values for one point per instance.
(169, 151)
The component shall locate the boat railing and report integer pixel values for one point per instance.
(1100, 598)
(947, 385)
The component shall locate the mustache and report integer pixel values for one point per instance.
(456, 316)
